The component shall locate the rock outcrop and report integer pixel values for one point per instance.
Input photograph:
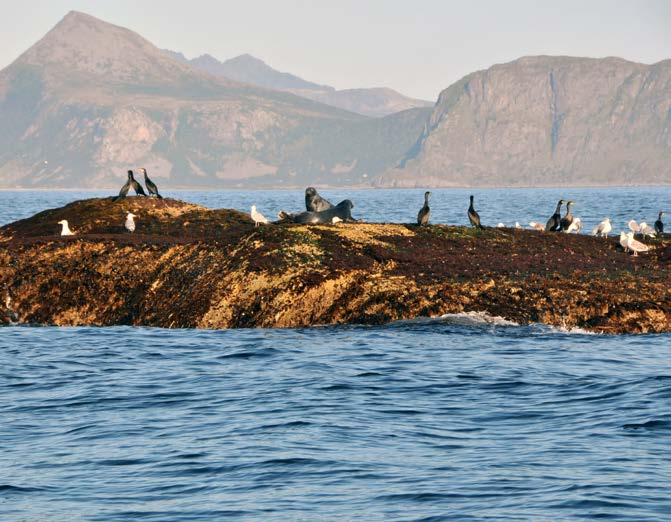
(189, 266)
(547, 121)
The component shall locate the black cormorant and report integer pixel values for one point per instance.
(554, 223)
(139, 191)
(151, 186)
(126, 187)
(474, 217)
(568, 218)
(659, 226)
(425, 211)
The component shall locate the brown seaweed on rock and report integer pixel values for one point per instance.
(189, 266)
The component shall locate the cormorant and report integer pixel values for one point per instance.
(659, 226)
(566, 221)
(425, 211)
(314, 202)
(131, 182)
(474, 217)
(151, 186)
(554, 223)
(258, 217)
(603, 228)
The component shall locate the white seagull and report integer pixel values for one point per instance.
(634, 227)
(258, 217)
(500, 225)
(575, 226)
(603, 228)
(65, 231)
(130, 222)
(335, 220)
(537, 226)
(646, 230)
(623, 241)
(517, 224)
(635, 246)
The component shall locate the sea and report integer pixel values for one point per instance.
(460, 417)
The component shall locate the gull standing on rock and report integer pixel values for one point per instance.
(635, 246)
(634, 227)
(603, 228)
(425, 211)
(537, 226)
(258, 217)
(130, 222)
(575, 226)
(65, 231)
(623, 241)
(646, 230)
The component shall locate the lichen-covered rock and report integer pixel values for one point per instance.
(188, 266)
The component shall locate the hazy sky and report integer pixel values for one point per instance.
(418, 47)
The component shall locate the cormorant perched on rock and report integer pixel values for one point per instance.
(474, 217)
(566, 221)
(425, 211)
(151, 186)
(659, 226)
(314, 202)
(131, 182)
(554, 223)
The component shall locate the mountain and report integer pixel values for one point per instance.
(546, 121)
(91, 100)
(374, 102)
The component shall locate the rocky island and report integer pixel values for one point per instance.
(187, 266)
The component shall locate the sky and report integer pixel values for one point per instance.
(417, 47)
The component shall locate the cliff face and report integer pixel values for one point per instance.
(91, 99)
(187, 266)
(547, 121)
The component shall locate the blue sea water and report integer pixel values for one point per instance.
(460, 418)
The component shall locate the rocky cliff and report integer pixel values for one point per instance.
(91, 99)
(547, 121)
(188, 266)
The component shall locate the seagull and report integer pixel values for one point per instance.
(258, 217)
(517, 224)
(603, 228)
(537, 226)
(130, 223)
(151, 186)
(65, 231)
(335, 220)
(646, 230)
(623, 241)
(575, 226)
(634, 227)
(500, 225)
(659, 225)
(634, 245)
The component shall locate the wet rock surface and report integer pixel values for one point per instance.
(189, 266)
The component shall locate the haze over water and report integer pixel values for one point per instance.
(460, 418)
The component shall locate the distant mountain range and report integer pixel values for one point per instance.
(374, 102)
(91, 99)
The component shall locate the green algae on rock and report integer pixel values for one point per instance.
(189, 266)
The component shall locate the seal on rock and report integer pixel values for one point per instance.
(314, 202)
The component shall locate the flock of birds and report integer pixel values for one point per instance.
(319, 210)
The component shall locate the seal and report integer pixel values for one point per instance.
(314, 202)
(342, 211)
